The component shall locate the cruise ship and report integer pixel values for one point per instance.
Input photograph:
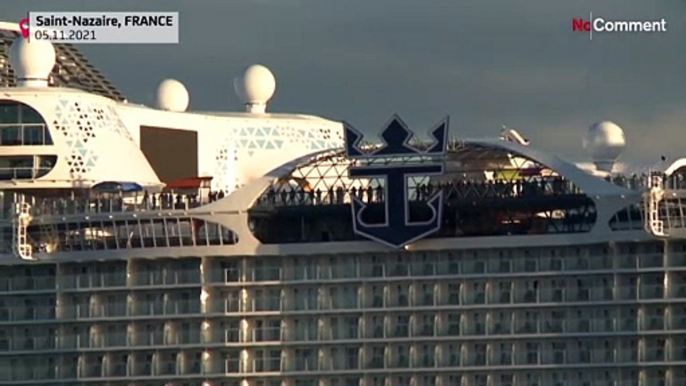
(165, 247)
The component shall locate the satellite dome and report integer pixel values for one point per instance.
(32, 62)
(604, 141)
(172, 96)
(256, 87)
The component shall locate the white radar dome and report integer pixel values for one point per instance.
(605, 142)
(255, 87)
(32, 62)
(172, 96)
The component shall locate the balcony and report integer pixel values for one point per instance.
(654, 291)
(166, 368)
(165, 277)
(267, 365)
(36, 313)
(23, 283)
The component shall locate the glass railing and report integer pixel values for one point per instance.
(32, 343)
(186, 337)
(652, 291)
(92, 370)
(230, 366)
(119, 370)
(357, 271)
(12, 314)
(142, 369)
(174, 277)
(56, 206)
(166, 368)
(15, 284)
(23, 173)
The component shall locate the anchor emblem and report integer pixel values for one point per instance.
(397, 230)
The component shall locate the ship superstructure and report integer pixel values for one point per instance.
(156, 246)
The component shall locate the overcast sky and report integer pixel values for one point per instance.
(485, 63)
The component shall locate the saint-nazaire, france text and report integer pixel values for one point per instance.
(105, 21)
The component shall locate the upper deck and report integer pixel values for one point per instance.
(490, 189)
(282, 180)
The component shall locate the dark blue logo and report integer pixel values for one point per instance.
(397, 230)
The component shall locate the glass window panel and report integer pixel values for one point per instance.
(10, 135)
(9, 113)
(33, 135)
(29, 115)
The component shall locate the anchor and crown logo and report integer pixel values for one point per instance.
(397, 230)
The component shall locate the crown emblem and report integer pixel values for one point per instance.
(396, 141)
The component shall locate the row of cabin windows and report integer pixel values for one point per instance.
(24, 135)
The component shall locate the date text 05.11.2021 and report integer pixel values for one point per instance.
(69, 35)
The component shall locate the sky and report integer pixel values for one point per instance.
(484, 63)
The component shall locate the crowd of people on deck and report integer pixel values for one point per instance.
(640, 181)
(635, 181)
(286, 195)
(117, 203)
(166, 200)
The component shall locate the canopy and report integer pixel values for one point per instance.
(190, 183)
(115, 187)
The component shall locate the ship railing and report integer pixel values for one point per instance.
(23, 173)
(142, 369)
(22, 283)
(93, 311)
(166, 368)
(111, 310)
(13, 314)
(119, 370)
(186, 337)
(147, 338)
(141, 278)
(677, 352)
(265, 365)
(63, 206)
(229, 335)
(94, 280)
(231, 366)
(20, 343)
(225, 306)
(115, 339)
(172, 307)
(267, 334)
(170, 367)
(41, 313)
(68, 372)
(28, 372)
